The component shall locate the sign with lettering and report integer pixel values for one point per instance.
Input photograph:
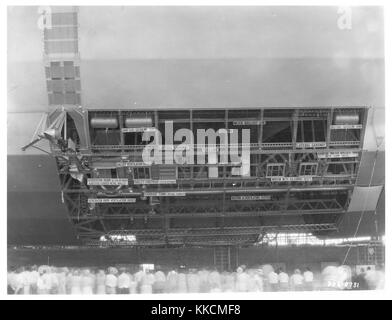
(250, 198)
(150, 181)
(112, 200)
(292, 179)
(334, 155)
(306, 145)
(164, 194)
(346, 126)
(141, 129)
(107, 182)
(312, 113)
(131, 164)
(248, 123)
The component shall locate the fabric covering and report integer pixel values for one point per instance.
(365, 198)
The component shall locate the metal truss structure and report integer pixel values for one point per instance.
(302, 167)
(306, 187)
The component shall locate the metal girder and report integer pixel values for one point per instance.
(203, 237)
(216, 208)
(208, 215)
(213, 242)
(202, 232)
(136, 151)
(263, 148)
(231, 188)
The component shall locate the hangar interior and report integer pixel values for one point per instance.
(314, 169)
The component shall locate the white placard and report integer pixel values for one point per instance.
(112, 200)
(131, 164)
(345, 126)
(141, 129)
(164, 194)
(250, 198)
(107, 182)
(248, 123)
(291, 179)
(149, 181)
(305, 145)
(338, 155)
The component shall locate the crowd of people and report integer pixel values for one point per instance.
(87, 281)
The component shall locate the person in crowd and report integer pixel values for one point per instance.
(266, 270)
(11, 281)
(242, 280)
(41, 286)
(344, 277)
(214, 281)
(24, 281)
(159, 282)
(297, 281)
(62, 280)
(100, 282)
(111, 282)
(88, 282)
(53, 280)
(193, 282)
(139, 277)
(124, 282)
(225, 281)
(284, 280)
(373, 278)
(172, 282)
(147, 283)
(68, 281)
(133, 285)
(44, 283)
(254, 281)
(182, 283)
(380, 278)
(204, 284)
(228, 285)
(308, 280)
(76, 283)
(273, 281)
(359, 280)
(33, 276)
(260, 280)
(50, 280)
(21, 285)
(330, 278)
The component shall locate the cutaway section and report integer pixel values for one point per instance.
(246, 172)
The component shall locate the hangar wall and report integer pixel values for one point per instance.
(292, 257)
